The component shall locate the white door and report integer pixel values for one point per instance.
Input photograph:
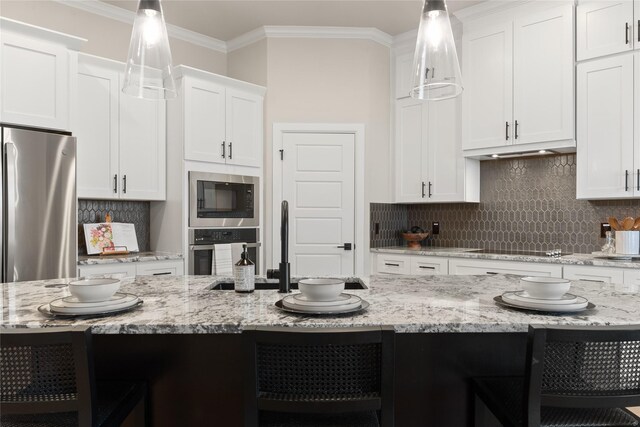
(244, 128)
(603, 28)
(204, 121)
(446, 166)
(410, 150)
(97, 132)
(488, 87)
(605, 128)
(142, 148)
(318, 178)
(543, 76)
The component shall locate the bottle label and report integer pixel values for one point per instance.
(244, 277)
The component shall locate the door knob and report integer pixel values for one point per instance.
(346, 246)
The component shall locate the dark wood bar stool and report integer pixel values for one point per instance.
(319, 376)
(574, 377)
(47, 379)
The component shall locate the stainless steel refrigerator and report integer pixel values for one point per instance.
(38, 212)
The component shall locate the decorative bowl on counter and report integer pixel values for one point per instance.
(413, 239)
(545, 287)
(94, 290)
(321, 289)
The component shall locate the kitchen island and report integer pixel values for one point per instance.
(185, 339)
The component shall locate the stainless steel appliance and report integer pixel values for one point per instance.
(201, 241)
(38, 212)
(220, 200)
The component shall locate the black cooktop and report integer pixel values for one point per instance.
(526, 253)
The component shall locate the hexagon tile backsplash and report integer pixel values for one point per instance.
(525, 204)
(93, 211)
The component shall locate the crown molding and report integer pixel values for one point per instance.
(487, 8)
(119, 14)
(72, 42)
(273, 31)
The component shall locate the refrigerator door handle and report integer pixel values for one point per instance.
(10, 238)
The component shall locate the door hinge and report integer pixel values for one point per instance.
(281, 154)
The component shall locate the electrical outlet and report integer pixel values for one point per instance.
(604, 227)
(435, 228)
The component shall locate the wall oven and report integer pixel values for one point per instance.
(220, 200)
(201, 241)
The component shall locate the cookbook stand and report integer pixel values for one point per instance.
(115, 250)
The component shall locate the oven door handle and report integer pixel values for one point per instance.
(211, 247)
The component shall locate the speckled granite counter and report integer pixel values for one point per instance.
(186, 305)
(134, 257)
(574, 259)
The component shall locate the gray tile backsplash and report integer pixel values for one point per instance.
(137, 213)
(525, 204)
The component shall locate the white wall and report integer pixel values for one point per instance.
(324, 81)
(106, 37)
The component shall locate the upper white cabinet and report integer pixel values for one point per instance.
(403, 75)
(519, 80)
(37, 68)
(429, 163)
(121, 139)
(606, 27)
(608, 160)
(222, 118)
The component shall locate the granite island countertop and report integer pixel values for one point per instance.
(132, 257)
(418, 304)
(573, 259)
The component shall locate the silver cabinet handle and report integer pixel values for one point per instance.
(506, 130)
(231, 150)
(639, 30)
(423, 186)
(224, 150)
(115, 183)
(516, 131)
(430, 193)
(491, 272)
(164, 273)
(638, 180)
(626, 180)
(426, 268)
(626, 33)
(391, 265)
(124, 184)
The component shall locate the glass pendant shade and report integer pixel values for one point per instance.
(436, 70)
(148, 70)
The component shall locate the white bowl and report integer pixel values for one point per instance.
(545, 287)
(321, 289)
(94, 290)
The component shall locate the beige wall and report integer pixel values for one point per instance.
(106, 37)
(324, 81)
(249, 63)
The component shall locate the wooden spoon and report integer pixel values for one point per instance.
(613, 222)
(636, 225)
(627, 223)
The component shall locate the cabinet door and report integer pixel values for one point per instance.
(446, 164)
(605, 128)
(484, 267)
(97, 132)
(393, 264)
(543, 81)
(488, 89)
(34, 86)
(403, 75)
(593, 274)
(410, 150)
(244, 128)
(429, 266)
(204, 121)
(126, 270)
(142, 148)
(160, 268)
(603, 28)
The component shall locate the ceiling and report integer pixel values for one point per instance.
(225, 20)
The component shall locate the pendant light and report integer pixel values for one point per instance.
(436, 71)
(148, 70)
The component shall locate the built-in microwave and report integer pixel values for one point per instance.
(220, 200)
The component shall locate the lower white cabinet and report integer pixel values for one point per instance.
(132, 269)
(594, 274)
(481, 266)
(429, 266)
(393, 264)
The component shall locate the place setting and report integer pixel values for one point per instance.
(544, 295)
(322, 297)
(91, 297)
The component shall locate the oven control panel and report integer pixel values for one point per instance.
(223, 235)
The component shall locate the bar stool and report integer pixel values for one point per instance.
(574, 377)
(319, 376)
(47, 379)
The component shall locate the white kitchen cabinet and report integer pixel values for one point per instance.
(223, 118)
(121, 139)
(631, 281)
(428, 266)
(121, 269)
(429, 164)
(604, 28)
(605, 158)
(481, 266)
(519, 81)
(393, 264)
(593, 274)
(160, 268)
(37, 69)
(132, 269)
(403, 75)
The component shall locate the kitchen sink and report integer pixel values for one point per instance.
(272, 284)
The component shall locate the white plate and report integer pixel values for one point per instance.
(45, 309)
(352, 303)
(302, 299)
(522, 296)
(615, 256)
(553, 310)
(73, 301)
(363, 306)
(125, 303)
(579, 305)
